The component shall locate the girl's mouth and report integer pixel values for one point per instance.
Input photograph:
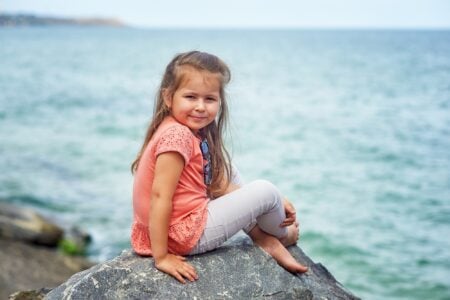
(198, 118)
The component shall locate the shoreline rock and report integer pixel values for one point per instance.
(237, 270)
(29, 257)
(28, 267)
(24, 224)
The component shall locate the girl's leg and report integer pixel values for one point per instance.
(293, 231)
(256, 203)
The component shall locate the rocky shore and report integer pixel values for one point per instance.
(31, 251)
(238, 270)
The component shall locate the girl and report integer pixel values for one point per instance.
(183, 165)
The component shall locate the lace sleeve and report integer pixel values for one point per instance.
(176, 138)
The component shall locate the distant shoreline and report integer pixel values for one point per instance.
(22, 20)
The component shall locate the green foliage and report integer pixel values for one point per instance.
(70, 247)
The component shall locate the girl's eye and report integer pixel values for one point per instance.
(190, 97)
(211, 99)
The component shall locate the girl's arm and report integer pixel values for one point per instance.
(168, 169)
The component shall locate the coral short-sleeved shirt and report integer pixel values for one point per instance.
(188, 218)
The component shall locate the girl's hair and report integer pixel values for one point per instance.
(172, 79)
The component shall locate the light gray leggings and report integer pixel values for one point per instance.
(257, 203)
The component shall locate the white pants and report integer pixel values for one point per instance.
(257, 203)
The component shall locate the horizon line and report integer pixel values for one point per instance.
(127, 24)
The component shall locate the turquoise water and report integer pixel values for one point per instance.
(353, 126)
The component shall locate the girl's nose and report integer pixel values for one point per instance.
(200, 105)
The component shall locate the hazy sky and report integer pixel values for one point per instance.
(249, 13)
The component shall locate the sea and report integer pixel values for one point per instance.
(353, 126)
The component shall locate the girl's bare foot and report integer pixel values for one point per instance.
(275, 248)
(292, 236)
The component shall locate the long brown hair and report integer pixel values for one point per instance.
(173, 76)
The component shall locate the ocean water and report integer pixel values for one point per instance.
(352, 126)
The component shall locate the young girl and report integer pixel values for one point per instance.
(184, 200)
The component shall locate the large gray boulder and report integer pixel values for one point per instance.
(237, 270)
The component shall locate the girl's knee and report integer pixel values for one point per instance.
(266, 187)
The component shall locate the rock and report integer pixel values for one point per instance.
(237, 270)
(20, 223)
(28, 267)
(30, 295)
(75, 241)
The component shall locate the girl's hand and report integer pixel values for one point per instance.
(177, 267)
(290, 213)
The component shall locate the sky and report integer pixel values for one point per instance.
(249, 13)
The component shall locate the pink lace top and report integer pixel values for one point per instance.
(189, 202)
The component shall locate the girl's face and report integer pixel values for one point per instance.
(197, 100)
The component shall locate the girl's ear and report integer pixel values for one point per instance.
(167, 98)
